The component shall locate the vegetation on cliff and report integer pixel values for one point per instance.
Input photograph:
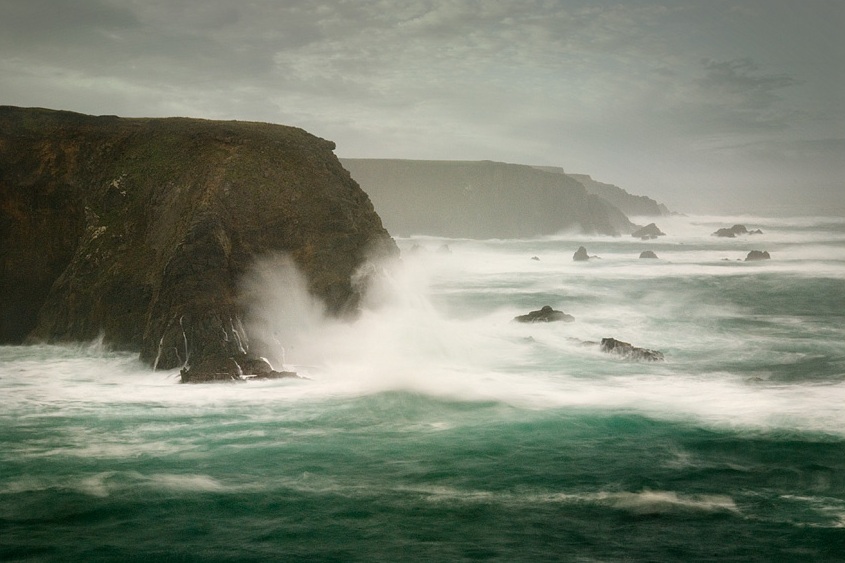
(139, 229)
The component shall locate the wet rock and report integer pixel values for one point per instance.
(228, 369)
(731, 232)
(142, 229)
(648, 254)
(629, 352)
(544, 315)
(581, 255)
(537, 258)
(650, 231)
(755, 255)
(278, 375)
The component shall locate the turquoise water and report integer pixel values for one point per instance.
(435, 429)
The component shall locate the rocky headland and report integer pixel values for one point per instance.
(138, 230)
(630, 204)
(482, 199)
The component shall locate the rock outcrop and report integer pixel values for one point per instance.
(139, 230)
(755, 255)
(650, 231)
(544, 315)
(648, 254)
(629, 352)
(732, 232)
(481, 199)
(581, 255)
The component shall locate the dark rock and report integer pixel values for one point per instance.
(757, 255)
(230, 369)
(544, 315)
(278, 375)
(256, 366)
(650, 231)
(537, 258)
(755, 232)
(628, 351)
(581, 255)
(648, 254)
(140, 229)
(731, 232)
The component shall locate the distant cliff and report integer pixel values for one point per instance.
(481, 199)
(632, 205)
(139, 229)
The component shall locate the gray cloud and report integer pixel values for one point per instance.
(651, 95)
(746, 98)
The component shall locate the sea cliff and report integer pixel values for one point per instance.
(138, 230)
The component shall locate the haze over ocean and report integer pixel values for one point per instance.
(434, 428)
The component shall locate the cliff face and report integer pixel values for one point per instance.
(139, 229)
(481, 199)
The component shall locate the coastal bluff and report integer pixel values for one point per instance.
(482, 199)
(138, 230)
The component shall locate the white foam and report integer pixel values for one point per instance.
(403, 341)
(643, 502)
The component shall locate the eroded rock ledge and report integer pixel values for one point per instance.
(139, 229)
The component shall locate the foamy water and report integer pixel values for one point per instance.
(433, 412)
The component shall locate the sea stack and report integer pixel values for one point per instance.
(755, 255)
(140, 229)
(581, 255)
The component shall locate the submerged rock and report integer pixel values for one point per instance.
(141, 230)
(628, 351)
(648, 254)
(650, 231)
(757, 255)
(544, 315)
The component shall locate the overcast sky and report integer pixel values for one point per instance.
(706, 105)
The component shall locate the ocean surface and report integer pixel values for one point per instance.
(436, 429)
